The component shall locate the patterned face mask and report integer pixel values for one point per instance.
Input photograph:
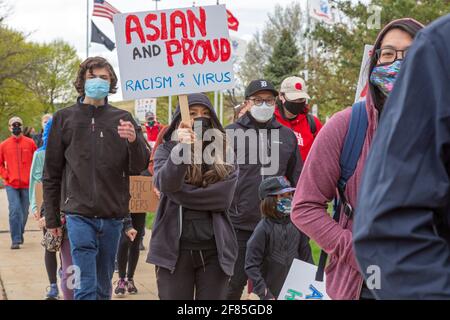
(384, 76)
(284, 206)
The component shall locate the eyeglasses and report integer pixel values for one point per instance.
(258, 101)
(389, 55)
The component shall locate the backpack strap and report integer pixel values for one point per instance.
(312, 124)
(353, 144)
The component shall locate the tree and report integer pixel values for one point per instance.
(260, 48)
(284, 61)
(52, 81)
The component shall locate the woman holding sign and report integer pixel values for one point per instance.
(193, 243)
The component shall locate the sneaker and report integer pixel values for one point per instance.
(52, 292)
(15, 246)
(131, 287)
(120, 289)
(141, 246)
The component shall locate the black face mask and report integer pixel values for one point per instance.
(17, 131)
(206, 123)
(295, 108)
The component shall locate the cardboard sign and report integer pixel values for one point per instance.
(142, 106)
(143, 199)
(300, 283)
(39, 195)
(361, 90)
(174, 52)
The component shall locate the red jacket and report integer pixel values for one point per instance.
(302, 130)
(152, 132)
(16, 156)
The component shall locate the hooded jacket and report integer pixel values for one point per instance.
(87, 164)
(273, 246)
(402, 222)
(177, 196)
(317, 187)
(245, 212)
(301, 128)
(16, 156)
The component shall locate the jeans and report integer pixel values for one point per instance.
(93, 244)
(18, 212)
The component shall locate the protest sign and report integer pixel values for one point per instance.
(143, 199)
(300, 283)
(362, 87)
(142, 106)
(174, 52)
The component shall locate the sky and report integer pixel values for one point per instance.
(48, 20)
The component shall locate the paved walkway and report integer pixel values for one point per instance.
(23, 274)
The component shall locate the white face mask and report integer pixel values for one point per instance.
(262, 113)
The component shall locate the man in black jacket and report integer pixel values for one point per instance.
(92, 150)
(402, 225)
(263, 147)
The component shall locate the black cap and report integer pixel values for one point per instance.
(273, 186)
(259, 85)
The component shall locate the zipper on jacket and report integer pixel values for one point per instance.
(94, 161)
(19, 159)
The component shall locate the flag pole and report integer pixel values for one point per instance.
(87, 29)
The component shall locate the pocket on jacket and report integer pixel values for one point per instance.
(195, 230)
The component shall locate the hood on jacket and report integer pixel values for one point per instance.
(193, 99)
(410, 26)
(46, 133)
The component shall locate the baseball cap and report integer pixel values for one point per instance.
(15, 119)
(149, 114)
(294, 88)
(273, 186)
(259, 85)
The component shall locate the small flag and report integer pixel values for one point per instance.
(99, 37)
(233, 23)
(104, 9)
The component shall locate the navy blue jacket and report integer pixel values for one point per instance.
(402, 221)
(273, 246)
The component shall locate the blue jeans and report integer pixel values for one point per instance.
(19, 204)
(93, 245)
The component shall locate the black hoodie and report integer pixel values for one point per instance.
(179, 197)
(245, 213)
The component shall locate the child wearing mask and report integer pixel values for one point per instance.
(276, 242)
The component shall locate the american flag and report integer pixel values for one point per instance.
(104, 9)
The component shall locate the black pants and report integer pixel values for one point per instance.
(128, 252)
(239, 278)
(198, 276)
(51, 265)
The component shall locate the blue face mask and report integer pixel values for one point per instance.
(96, 88)
(284, 206)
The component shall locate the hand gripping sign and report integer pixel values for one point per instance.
(174, 52)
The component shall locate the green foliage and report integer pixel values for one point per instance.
(34, 78)
(284, 60)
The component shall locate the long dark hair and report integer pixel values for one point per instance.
(408, 25)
